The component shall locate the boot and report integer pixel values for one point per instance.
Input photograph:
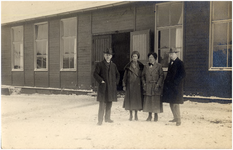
(131, 115)
(136, 115)
(149, 117)
(156, 117)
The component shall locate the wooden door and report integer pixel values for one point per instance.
(140, 41)
(100, 43)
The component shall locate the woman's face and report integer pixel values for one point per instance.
(135, 57)
(151, 59)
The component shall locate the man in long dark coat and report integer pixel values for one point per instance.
(107, 75)
(173, 85)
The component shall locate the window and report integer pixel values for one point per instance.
(17, 48)
(68, 44)
(41, 47)
(169, 27)
(220, 36)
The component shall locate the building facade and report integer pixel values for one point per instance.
(60, 51)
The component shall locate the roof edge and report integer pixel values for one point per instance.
(70, 12)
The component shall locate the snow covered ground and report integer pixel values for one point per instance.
(69, 122)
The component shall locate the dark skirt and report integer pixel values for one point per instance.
(152, 104)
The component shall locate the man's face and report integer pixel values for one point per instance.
(108, 57)
(173, 56)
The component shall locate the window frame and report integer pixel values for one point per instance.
(12, 48)
(35, 56)
(62, 45)
(211, 38)
(169, 27)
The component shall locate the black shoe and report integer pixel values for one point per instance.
(178, 123)
(148, 119)
(130, 118)
(174, 120)
(156, 117)
(99, 123)
(109, 121)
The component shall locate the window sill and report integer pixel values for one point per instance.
(17, 70)
(67, 69)
(40, 69)
(220, 69)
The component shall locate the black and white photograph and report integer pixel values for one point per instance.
(116, 75)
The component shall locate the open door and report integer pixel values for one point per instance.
(100, 43)
(140, 41)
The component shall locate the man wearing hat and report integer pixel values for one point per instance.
(107, 75)
(173, 85)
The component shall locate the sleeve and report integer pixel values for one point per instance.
(96, 73)
(124, 81)
(161, 77)
(181, 74)
(117, 75)
(144, 76)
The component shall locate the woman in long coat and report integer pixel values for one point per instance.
(152, 78)
(132, 85)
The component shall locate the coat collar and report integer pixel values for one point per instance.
(153, 67)
(129, 67)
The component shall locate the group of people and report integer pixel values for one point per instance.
(144, 85)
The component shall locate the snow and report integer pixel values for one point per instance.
(69, 121)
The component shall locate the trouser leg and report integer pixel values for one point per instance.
(108, 110)
(101, 112)
(176, 111)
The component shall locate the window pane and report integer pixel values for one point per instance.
(222, 10)
(69, 46)
(230, 33)
(18, 34)
(41, 47)
(164, 57)
(66, 61)
(220, 56)
(41, 62)
(18, 56)
(176, 11)
(164, 39)
(230, 57)
(72, 61)
(163, 15)
(220, 34)
(176, 38)
(69, 27)
(41, 31)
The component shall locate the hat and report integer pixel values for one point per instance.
(135, 52)
(173, 50)
(108, 51)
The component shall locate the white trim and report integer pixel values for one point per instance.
(211, 40)
(62, 37)
(35, 42)
(12, 49)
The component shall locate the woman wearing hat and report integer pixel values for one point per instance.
(132, 85)
(152, 78)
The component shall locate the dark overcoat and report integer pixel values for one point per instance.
(107, 92)
(132, 81)
(153, 80)
(173, 84)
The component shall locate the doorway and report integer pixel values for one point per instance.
(120, 44)
(121, 48)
